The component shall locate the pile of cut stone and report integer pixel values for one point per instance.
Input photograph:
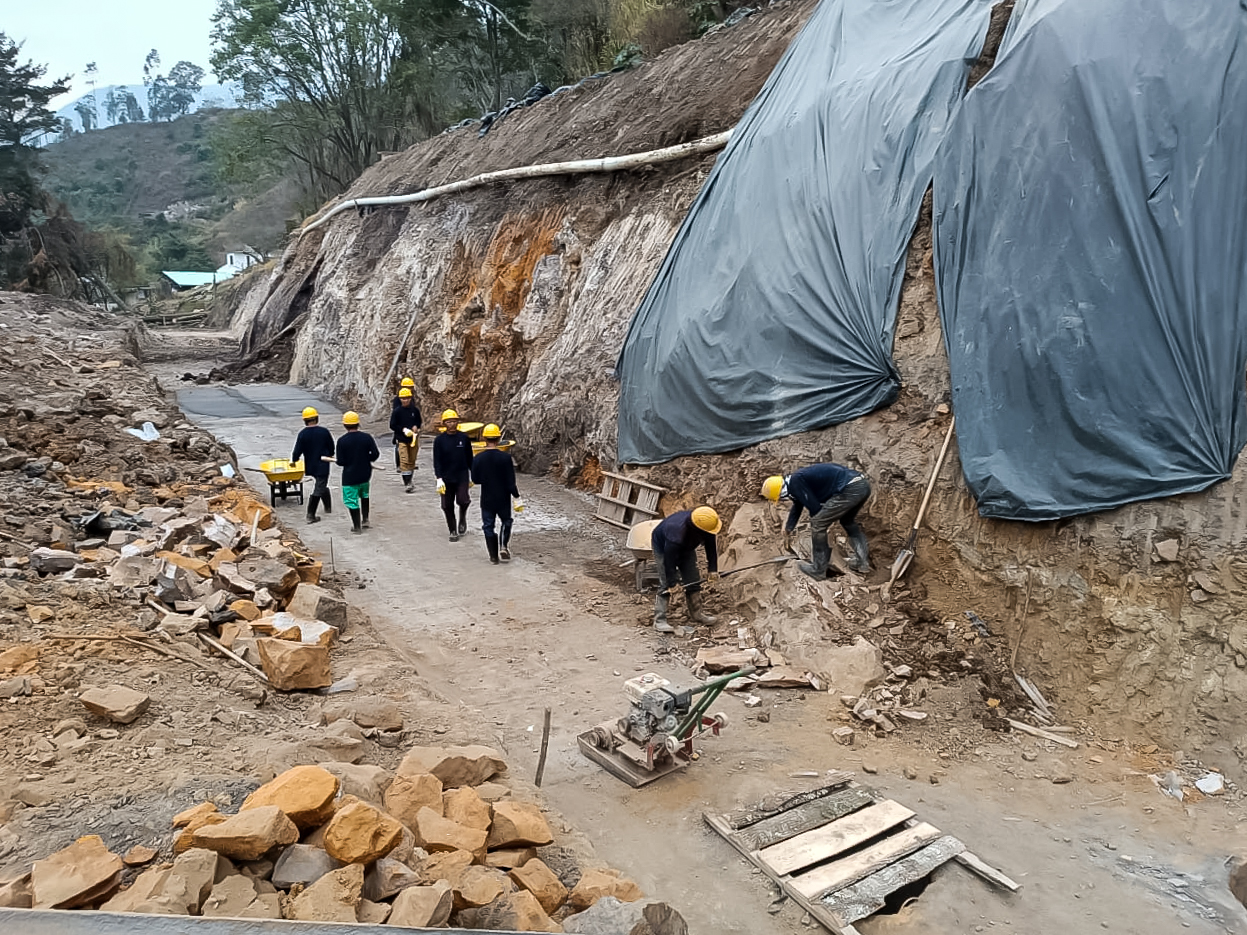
(441, 842)
(885, 706)
(214, 570)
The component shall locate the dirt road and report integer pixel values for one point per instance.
(559, 628)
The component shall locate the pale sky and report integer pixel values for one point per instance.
(115, 34)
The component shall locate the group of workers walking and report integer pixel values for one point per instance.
(830, 492)
(456, 468)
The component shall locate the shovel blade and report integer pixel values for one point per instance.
(901, 565)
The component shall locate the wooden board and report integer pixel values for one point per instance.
(837, 875)
(804, 818)
(867, 896)
(783, 801)
(818, 845)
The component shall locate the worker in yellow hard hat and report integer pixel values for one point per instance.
(313, 446)
(407, 383)
(494, 472)
(830, 492)
(675, 541)
(405, 424)
(452, 463)
(357, 450)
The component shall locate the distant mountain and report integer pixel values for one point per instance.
(212, 95)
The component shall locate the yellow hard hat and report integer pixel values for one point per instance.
(773, 487)
(450, 414)
(310, 413)
(404, 393)
(491, 431)
(350, 418)
(408, 382)
(707, 520)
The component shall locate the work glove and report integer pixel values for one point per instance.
(787, 541)
(441, 485)
(712, 577)
(471, 484)
(407, 432)
(517, 505)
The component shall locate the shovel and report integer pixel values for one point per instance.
(778, 560)
(906, 555)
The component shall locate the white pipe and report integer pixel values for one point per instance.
(579, 167)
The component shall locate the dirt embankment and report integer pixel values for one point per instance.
(511, 303)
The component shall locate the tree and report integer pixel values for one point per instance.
(24, 120)
(112, 107)
(131, 111)
(85, 109)
(346, 79)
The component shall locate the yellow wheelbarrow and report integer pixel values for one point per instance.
(285, 478)
(473, 431)
(640, 545)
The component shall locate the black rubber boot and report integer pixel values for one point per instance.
(491, 543)
(860, 562)
(463, 520)
(324, 498)
(504, 551)
(661, 605)
(407, 482)
(820, 558)
(697, 611)
(312, 503)
(363, 507)
(355, 528)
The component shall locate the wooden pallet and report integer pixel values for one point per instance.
(839, 850)
(626, 501)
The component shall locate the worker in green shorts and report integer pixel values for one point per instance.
(357, 450)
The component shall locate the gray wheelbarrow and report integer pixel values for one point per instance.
(639, 544)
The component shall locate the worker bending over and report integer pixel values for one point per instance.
(494, 472)
(407, 384)
(830, 492)
(356, 452)
(452, 463)
(315, 447)
(405, 424)
(675, 541)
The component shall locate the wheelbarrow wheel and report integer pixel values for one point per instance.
(272, 495)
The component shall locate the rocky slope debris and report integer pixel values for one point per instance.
(302, 848)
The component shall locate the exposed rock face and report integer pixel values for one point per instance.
(305, 793)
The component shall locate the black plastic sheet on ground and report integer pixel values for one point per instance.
(1091, 253)
(773, 312)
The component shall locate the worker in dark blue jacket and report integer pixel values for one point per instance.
(675, 541)
(494, 472)
(313, 446)
(452, 464)
(830, 492)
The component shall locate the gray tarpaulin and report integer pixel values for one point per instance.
(774, 309)
(1091, 252)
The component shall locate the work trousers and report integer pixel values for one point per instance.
(321, 487)
(686, 570)
(491, 517)
(407, 457)
(455, 493)
(844, 507)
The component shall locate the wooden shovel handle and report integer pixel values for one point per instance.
(939, 463)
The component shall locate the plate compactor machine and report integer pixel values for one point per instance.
(656, 736)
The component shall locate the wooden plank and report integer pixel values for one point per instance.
(625, 504)
(837, 837)
(633, 480)
(867, 896)
(987, 872)
(1043, 734)
(837, 875)
(811, 815)
(782, 801)
(613, 522)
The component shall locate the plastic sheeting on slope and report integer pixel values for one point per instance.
(1091, 254)
(774, 308)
